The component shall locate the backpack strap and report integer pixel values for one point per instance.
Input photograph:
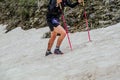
(50, 1)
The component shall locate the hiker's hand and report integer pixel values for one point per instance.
(80, 1)
(59, 1)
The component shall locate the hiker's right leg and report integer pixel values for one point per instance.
(50, 43)
(51, 40)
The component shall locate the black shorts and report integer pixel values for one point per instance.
(53, 22)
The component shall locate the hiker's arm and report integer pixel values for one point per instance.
(52, 5)
(72, 4)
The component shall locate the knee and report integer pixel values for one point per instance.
(63, 33)
(53, 36)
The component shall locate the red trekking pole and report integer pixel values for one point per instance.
(86, 20)
(65, 26)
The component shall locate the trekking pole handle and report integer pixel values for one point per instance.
(83, 3)
(60, 6)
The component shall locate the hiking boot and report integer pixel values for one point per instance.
(48, 53)
(57, 51)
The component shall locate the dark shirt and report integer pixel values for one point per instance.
(54, 11)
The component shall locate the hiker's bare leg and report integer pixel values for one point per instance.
(51, 40)
(59, 29)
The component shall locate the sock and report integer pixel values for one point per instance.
(57, 47)
(48, 51)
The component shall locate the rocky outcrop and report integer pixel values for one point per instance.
(31, 14)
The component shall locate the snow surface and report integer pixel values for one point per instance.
(22, 56)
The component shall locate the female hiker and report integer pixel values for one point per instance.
(53, 21)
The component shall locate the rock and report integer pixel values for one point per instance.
(46, 35)
(99, 13)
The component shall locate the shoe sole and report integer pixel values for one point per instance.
(47, 54)
(58, 54)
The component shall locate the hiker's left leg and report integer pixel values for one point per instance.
(59, 29)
